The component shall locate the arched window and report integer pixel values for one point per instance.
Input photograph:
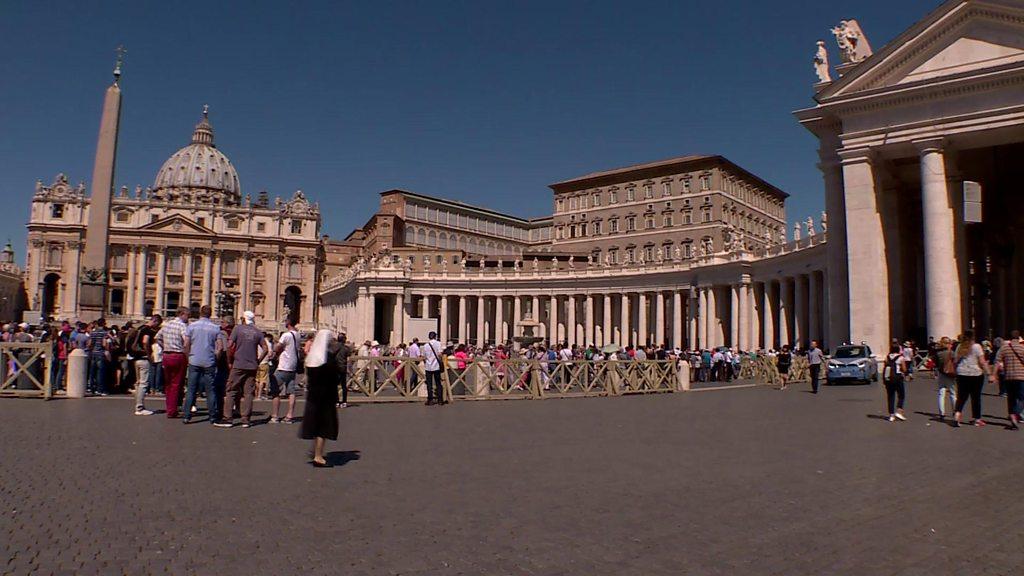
(442, 240)
(432, 238)
(410, 235)
(421, 237)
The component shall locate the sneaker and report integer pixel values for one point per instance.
(275, 420)
(143, 412)
(246, 425)
(185, 421)
(901, 417)
(223, 424)
(287, 420)
(979, 423)
(344, 404)
(194, 410)
(892, 418)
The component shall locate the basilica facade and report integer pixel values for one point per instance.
(191, 239)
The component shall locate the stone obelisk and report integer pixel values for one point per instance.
(92, 294)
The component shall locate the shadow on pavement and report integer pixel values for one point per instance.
(340, 458)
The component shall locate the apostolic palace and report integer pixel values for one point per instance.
(920, 148)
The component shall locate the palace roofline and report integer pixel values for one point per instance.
(463, 205)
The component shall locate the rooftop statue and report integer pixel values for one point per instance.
(824, 222)
(821, 63)
(810, 227)
(796, 231)
(853, 46)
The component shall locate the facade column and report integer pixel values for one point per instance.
(836, 247)
(499, 321)
(744, 314)
(208, 281)
(659, 318)
(129, 293)
(625, 314)
(641, 314)
(606, 319)
(702, 317)
(734, 316)
(243, 282)
(784, 311)
(570, 324)
(481, 328)
(814, 307)
(397, 320)
(941, 277)
(553, 321)
(768, 318)
(692, 306)
(460, 334)
(756, 317)
(714, 327)
(369, 315)
(517, 315)
(186, 293)
(677, 319)
(443, 328)
(866, 259)
(217, 271)
(159, 303)
(140, 282)
(588, 319)
(535, 311)
(799, 305)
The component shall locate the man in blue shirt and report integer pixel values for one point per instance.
(203, 345)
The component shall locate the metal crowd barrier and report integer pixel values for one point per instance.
(389, 378)
(25, 369)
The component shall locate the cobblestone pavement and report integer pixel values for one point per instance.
(743, 481)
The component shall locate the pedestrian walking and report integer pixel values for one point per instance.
(249, 348)
(945, 370)
(1010, 366)
(139, 344)
(432, 363)
(815, 357)
(783, 361)
(344, 351)
(971, 368)
(283, 381)
(320, 417)
(893, 376)
(171, 341)
(203, 344)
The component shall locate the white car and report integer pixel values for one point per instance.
(852, 362)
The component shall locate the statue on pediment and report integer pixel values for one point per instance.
(810, 227)
(821, 63)
(796, 231)
(853, 46)
(824, 222)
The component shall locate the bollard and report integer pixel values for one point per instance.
(684, 376)
(78, 373)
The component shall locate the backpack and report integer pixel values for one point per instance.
(134, 343)
(949, 366)
(891, 373)
(300, 354)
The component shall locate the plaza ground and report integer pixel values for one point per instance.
(742, 481)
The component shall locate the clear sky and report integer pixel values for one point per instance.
(484, 102)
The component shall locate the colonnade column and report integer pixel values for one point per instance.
(588, 334)
(186, 292)
(642, 315)
(570, 323)
(692, 307)
(625, 318)
(659, 318)
(714, 328)
(481, 329)
(942, 281)
(517, 315)
(443, 329)
(606, 333)
(129, 293)
(553, 321)
(140, 283)
(398, 320)
(813, 307)
(744, 314)
(460, 334)
(734, 315)
(161, 281)
(677, 319)
(702, 317)
(783, 312)
(799, 305)
(499, 321)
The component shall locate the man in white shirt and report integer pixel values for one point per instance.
(414, 353)
(432, 364)
(283, 382)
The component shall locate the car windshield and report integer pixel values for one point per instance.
(849, 352)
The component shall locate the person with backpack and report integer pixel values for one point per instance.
(1010, 365)
(945, 370)
(140, 342)
(971, 368)
(893, 376)
(432, 364)
(283, 382)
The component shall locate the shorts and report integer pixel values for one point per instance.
(283, 383)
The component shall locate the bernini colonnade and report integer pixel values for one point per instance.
(735, 300)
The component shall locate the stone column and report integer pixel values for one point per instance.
(606, 320)
(186, 293)
(443, 329)
(866, 259)
(424, 306)
(714, 327)
(159, 302)
(535, 311)
(218, 275)
(692, 306)
(659, 318)
(140, 282)
(397, 320)
(677, 319)
(570, 323)
(208, 281)
(641, 314)
(814, 307)
(836, 255)
(129, 293)
(702, 317)
(460, 334)
(768, 316)
(784, 310)
(481, 329)
(734, 316)
(499, 321)
(756, 317)
(370, 315)
(243, 283)
(553, 321)
(626, 320)
(588, 319)
(744, 314)
(942, 279)
(517, 316)
(799, 305)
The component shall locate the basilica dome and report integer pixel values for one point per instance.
(198, 172)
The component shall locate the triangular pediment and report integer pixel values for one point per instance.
(957, 40)
(176, 224)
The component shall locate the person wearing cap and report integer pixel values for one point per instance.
(432, 363)
(283, 382)
(249, 348)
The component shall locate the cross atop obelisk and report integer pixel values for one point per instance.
(92, 294)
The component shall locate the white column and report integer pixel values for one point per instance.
(734, 316)
(606, 319)
(243, 283)
(677, 319)
(161, 282)
(461, 333)
(217, 270)
(588, 332)
(626, 320)
(702, 317)
(443, 329)
(499, 321)
(715, 329)
(942, 280)
(570, 325)
(140, 282)
(784, 312)
(768, 318)
(868, 278)
(517, 315)
(186, 293)
(692, 299)
(744, 315)
(397, 320)
(659, 318)
(208, 282)
(813, 307)
(799, 305)
(835, 206)
(756, 316)
(129, 293)
(481, 330)
(553, 321)
(641, 312)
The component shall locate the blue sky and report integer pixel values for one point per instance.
(484, 102)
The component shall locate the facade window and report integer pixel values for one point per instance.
(197, 264)
(151, 262)
(668, 221)
(687, 250)
(573, 203)
(119, 261)
(53, 256)
(648, 191)
(630, 194)
(649, 253)
(613, 197)
(234, 224)
(153, 218)
(630, 223)
(686, 185)
(596, 199)
(559, 233)
(705, 183)
(230, 266)
(296, 226)
(294, 269)
(649, 223)
(261, 226)
(559, 205)
(613, 225)
(201, 221)
(174, 262)
(688, 217)
(57, 211)
(705, 214)
(596, 228)
(121, 216)
(666, 189)
(630, 255)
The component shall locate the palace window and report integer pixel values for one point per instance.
(705, 214)
(234, 224)
(261, 226)
(649, 223)
(686, 185)
(630, 255)
(687, 249)
(613, 225)
(649, 253)
(613, 197)
(648, 191)
(668, 221)
(120, 216)
(630, 194)
(596, 199)
(688, 217)
(705, 182)
(630, 223)
(57, 211)
(596, 228)
(666, 189)
(559, 205)
(296, 226)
